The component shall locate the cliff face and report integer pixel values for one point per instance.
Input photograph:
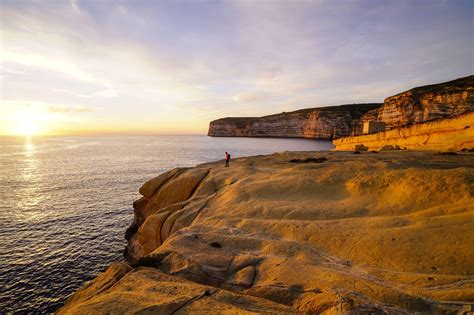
(335, 233)
(430, 102)
(318, 123)
(442, 135)
(420, 104)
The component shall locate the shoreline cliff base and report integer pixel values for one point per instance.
(453, 134)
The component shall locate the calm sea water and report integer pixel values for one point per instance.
(65, 203)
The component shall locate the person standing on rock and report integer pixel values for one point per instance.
(227, 159)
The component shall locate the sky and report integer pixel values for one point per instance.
(170, 67)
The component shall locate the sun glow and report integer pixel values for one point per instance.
(27, 124)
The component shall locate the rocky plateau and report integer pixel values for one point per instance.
(298, 232)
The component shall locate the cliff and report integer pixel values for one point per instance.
(317, 123)
(418, 105)
(330, 232)
(430, 102)
(442, 135)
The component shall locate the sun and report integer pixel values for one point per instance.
(27, 125)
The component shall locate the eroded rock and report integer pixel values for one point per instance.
(150, 187)
(243, 278)
(97, 287)
(309, 160)
(147, 290)
(359, 234)
(179, 189)
(361, 147)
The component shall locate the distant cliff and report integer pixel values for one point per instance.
(430, 102)
(319, 123)
(420, 104)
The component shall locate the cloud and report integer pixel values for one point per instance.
(166, 59)
(70, 109)
(249, 97)
(75, 6)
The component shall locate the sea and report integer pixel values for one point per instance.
(65, 203)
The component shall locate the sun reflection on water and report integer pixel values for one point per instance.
(29, 192)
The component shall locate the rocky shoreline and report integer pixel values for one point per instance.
(317, 232)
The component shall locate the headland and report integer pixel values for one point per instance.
(317, 232)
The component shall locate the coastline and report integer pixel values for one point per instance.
(369, 232)
(419, 105)
(79, 228)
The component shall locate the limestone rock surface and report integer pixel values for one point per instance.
(146, 290)
(452, 134)
(369, 233)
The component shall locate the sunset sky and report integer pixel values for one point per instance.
(83, 67)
